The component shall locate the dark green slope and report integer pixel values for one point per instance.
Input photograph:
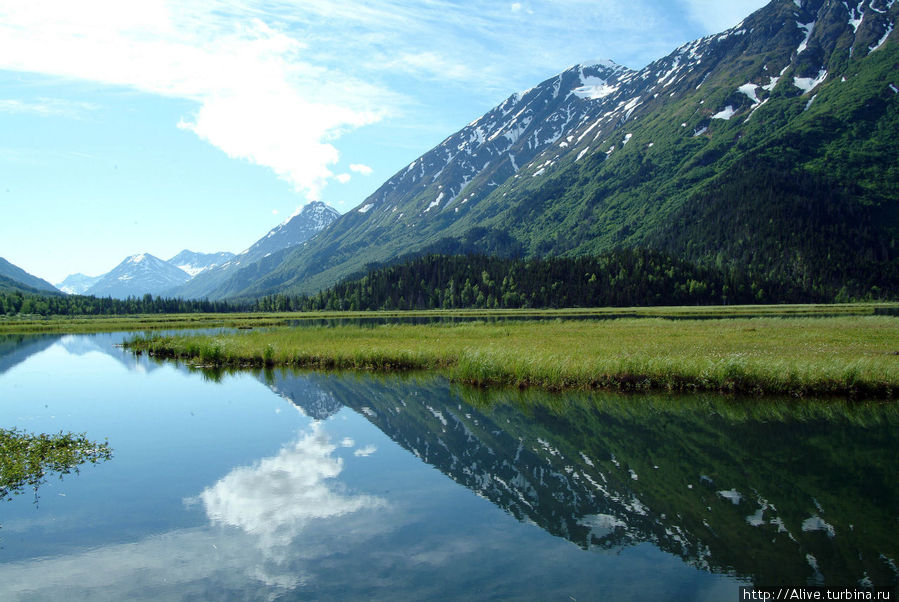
(13, 278)
(800, 181)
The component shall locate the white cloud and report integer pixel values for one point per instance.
(364, 452)
(259, 96)
(359, 168)
(343, 178)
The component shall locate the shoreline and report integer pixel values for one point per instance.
(845, 356)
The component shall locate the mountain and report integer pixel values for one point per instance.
(770, 147)
(13, 278)
(264, 255)
(77, 284)
(138, 275)
(196, 275)
(196, 263)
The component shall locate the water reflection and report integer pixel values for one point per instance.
(220, 491)
(773, 491)
(16, 348)
(278, 496)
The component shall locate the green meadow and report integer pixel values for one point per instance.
(847, 355)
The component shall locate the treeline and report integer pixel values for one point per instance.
(620, 278)
(18, 303)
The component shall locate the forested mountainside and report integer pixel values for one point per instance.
(620, 278)
(13, 278)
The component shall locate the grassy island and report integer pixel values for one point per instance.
(852, 355)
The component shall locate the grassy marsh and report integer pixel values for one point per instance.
(852, 355)
(88, 324)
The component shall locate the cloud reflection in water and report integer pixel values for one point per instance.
(276, 498)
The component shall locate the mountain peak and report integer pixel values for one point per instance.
(137, 275)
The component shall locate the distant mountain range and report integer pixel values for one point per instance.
(190, 274)
(771, 147)
(266, 253)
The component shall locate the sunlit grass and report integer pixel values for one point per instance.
(797, 356)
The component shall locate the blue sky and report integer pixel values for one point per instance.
(155, 126)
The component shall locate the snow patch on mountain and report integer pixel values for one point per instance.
(882, 40)
(808, 28)
(807, 84)
(593, 87)
(749, 90)
(725, 114)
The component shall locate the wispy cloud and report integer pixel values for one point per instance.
(359, 168)
(47, 107)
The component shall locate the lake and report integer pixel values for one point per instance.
(280, 485)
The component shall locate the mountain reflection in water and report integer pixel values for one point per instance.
(775, 491)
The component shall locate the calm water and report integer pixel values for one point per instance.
(321, 486)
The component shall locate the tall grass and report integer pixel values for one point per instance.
(797, 356)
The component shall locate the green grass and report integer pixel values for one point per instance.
(87, 324)
(854, 355)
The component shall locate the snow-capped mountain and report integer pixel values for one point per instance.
(244, 267)
(305, 223)
(191, 274)
(138, 275)
(196, 263)
(77, 284)
(601, 155)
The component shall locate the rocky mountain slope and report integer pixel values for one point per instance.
(769, 147)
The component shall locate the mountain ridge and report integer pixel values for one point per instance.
(13, 278)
